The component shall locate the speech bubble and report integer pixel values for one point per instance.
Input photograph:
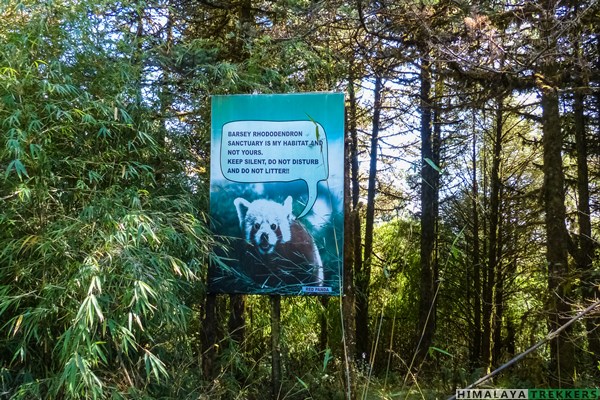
(275, 151)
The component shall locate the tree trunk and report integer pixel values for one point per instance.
(138, 55)
(209, 337)
(237, 322)
(562, 362)
(429, 196)
(511, 330)
(557, 236)
(356, 224)
(499, 297)
(323, 335)
(275, 346)
(491, 319)
(585, 256)
(475, 356)
(352, 219)
(246, 23)
(166, 102)
(363, 277)
(237, 303)
(586, 244)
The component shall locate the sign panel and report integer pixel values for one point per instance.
(277, 193)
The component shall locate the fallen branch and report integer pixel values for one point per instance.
(545, 340)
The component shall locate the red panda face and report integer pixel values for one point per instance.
(265, 223)
(265, 235)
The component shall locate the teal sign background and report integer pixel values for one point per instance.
(277, 179)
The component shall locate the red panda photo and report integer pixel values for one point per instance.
(277, 249)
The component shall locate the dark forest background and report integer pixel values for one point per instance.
(472, 204)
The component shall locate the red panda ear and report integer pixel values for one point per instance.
(241, 206)
(287, 206)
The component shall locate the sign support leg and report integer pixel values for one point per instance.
(275, 347)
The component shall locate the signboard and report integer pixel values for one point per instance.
(277, 193)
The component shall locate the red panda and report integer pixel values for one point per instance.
(278, 250)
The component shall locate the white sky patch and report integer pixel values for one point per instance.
(259, 189)
(320, 214)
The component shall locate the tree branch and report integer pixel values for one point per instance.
(519, 357)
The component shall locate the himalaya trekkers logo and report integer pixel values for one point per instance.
(530, 394)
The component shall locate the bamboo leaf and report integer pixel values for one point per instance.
(17, 325)
(317, 136)
(18, 167)
(432, 349)
(304, 384)
(433, 165)
(154, 366)
(35, 150)
(326, 359)
(97, 308)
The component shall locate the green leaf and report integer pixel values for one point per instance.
(18, 167)
(14, 119)
(35, 150)
(432, 349)
(433, 165)
(88, 119)
(14, 147)
(304, 384)
(35, 125)
(154, 366)
(317, 136)
(104, 132)
(326, 359)
(97, 307)
(9, 72)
